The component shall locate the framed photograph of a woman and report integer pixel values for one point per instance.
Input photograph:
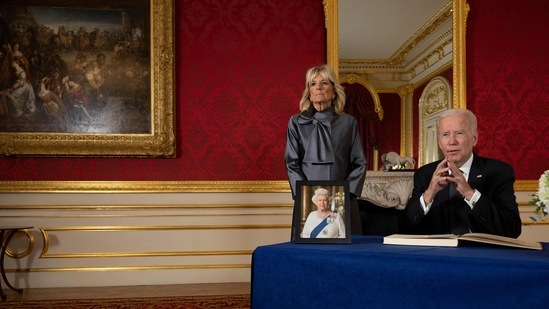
(323, 212)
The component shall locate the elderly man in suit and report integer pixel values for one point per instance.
(463, 192)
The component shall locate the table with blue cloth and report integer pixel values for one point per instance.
(369, 274)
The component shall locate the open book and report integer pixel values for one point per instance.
(449, 240)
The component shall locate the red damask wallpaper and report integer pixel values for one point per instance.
(240, 69)
(240, 72)
(508, 81)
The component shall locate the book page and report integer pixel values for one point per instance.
(500, 240)
(452, 240)
(433, 236)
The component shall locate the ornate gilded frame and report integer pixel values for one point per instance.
(160, 142)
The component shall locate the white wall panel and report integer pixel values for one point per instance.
(134, 239)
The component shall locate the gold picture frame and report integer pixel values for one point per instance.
(157, 138)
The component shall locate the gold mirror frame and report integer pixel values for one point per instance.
(460, 9)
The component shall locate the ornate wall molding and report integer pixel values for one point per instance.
(281, 186)
(143, 186)
(388, 189)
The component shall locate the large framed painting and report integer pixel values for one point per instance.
(322, 213)
(87, 78)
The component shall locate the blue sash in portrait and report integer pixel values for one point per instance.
(319, 228)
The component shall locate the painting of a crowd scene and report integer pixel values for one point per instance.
(66, 69)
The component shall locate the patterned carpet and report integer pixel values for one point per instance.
(186, 302)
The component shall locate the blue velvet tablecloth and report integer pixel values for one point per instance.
(368, 274)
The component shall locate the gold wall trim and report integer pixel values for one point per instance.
(147, 216)
(147, 254)
(460, 10)
(276, 186)
(27, 251)
(142, 207)
(251, 186)
(331, 23)
(536, 223)
(46, 235)
(163, 228)
(118, 268)
(526, 185)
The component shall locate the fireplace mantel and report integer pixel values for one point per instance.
(388, 189)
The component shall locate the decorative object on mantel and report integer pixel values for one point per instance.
(393, 161)
(388, 190)
(541, 199)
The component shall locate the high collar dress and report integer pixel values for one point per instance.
(324, 146)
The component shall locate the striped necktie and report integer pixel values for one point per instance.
(460, 211)
(452, 191)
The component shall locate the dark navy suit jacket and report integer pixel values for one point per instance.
(496, 212)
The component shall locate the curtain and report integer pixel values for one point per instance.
(360, 104)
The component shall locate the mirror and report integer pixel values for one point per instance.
(445, 25)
